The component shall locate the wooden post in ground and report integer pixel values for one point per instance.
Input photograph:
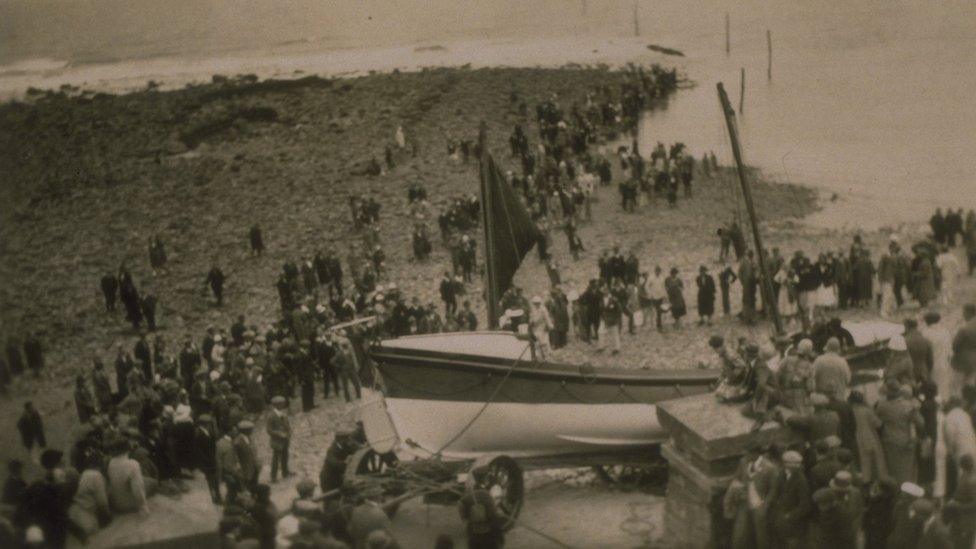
(765, 279)
(636, 21)
(727, 45)
(769, 56)
(742, 90)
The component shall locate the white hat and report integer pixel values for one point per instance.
(217, 338)
(912, 489)
(183, 414)
(897, 343)
(34, 535)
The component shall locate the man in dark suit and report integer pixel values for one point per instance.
(110, 289)
(247, 454)
(790, 503)
(279, 430)
(205, 454)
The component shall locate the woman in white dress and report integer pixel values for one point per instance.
(787, 292)
(827, 293)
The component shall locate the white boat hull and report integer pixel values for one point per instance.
(520, 430)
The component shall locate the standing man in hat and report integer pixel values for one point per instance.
(789, 504)
(610, 311)
(31, 429)
(247, 454)
(215, 279)
(833, 526)
(900, 420)
(796, 378)
(110, 289)
(279, 430)
(751, 495)
(46, 501)
(831, 372)
(920, 350)
(229, 465)
(257, 240)
(205, 454)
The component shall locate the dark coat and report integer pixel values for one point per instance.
(205, 450)
(31, 429)
(789, 506)
(706, 294)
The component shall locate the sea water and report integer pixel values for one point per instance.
(869, 100)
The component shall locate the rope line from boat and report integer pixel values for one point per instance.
(487, 403)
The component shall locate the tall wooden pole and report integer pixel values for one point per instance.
(727, 45)
(636, 20)
(767, 287)
(491, 287)
(769, 55)
(742, 89)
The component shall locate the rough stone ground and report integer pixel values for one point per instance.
(92, 178)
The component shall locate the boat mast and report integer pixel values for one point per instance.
(491, 287)
(767, 288)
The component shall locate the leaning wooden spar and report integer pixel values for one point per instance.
(470, 394)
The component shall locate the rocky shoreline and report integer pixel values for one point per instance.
(93, 176)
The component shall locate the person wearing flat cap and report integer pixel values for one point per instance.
(229, 465)
(789, 505)
(279, 430)
(909, 521)
(749, 502)
(204, 451)
(45, 502)
(247, 454)
(900, 366)
(833, 525)
(831, 372)
(795, 378)
(900, 421)
(849, 497)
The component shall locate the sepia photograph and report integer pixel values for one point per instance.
(436, 274)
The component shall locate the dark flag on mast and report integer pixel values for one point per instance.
(509, 233)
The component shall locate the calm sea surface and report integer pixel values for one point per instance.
(872, 100)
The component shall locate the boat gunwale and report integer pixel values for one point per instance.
(549, 371)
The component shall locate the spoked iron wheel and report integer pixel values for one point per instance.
(503, 480)
(366, 463)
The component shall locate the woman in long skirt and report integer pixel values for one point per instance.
(827, 293)
(675, 288)
(706, 296)
(786, 303)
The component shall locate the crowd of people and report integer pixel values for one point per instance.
(898, 473)
(165, 413)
